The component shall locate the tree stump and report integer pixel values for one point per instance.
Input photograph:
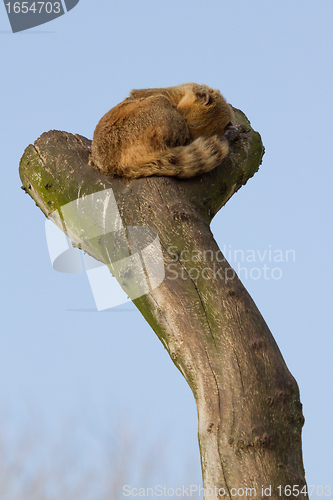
(249, 411)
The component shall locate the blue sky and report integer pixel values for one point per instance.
(273, 60)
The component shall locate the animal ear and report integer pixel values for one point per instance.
(137, 93)
(203, 96)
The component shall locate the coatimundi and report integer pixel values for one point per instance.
(177, 131)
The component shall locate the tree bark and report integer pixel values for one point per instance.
(249, 411)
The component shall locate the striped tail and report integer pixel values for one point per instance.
(202, 155)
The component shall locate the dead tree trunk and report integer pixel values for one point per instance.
(249, 410)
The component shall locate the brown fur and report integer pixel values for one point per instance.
(174, 131)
